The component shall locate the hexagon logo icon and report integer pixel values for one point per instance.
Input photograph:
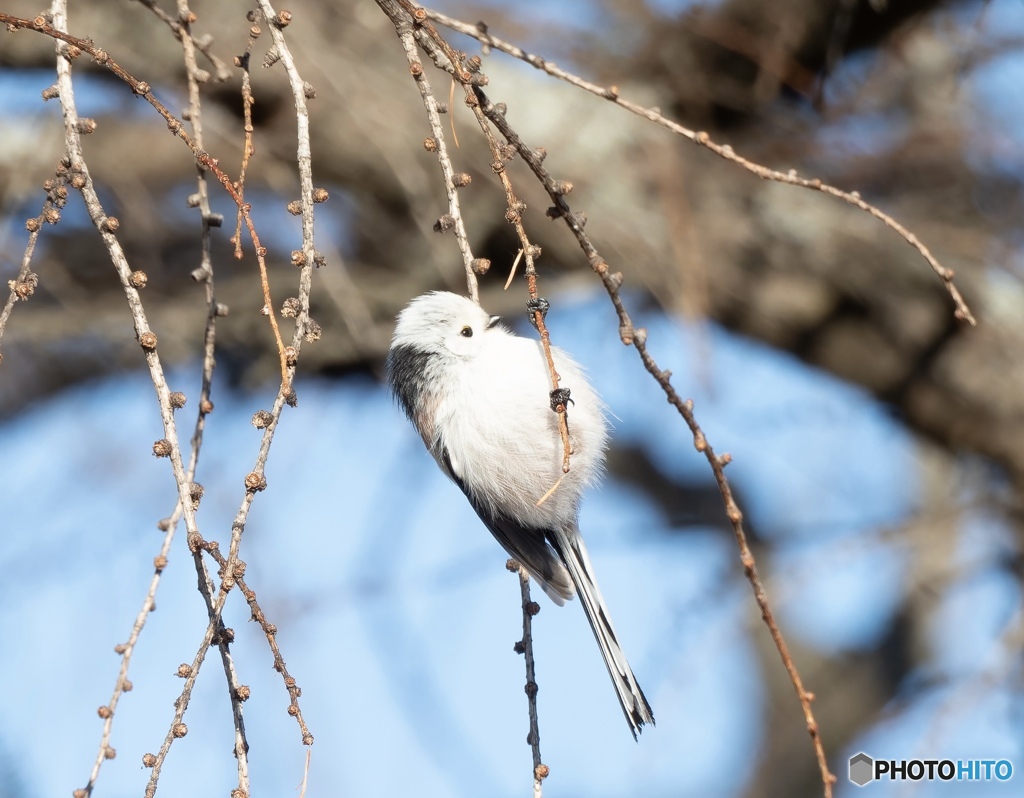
(862, 769)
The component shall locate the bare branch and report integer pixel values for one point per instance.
(142, 89)
(80, 178)
(232, 568)
(403, 26)
(525, 647)
(447, 59)
(177, 27)
(270, 630)
(637, 337)
(611, 93)
(24, 285)
(537, 306)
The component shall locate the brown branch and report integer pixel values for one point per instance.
(525, 646)
(209, 220)
(81, 179)
(468, 74)
(446, 58)
(232, 568)
(437, 144)
(123, 684)
(301, 91)
(204, 274)
(514, 215)
(215, 632)
(188, 498)
(405, 27)
(24, 285)
(270, 630)
(142, 89)
(701, 138)
(203, 45)
(132, 282)
(637, 337)
(248, 148)
(305, 328)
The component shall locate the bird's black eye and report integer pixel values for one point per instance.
(466, 332)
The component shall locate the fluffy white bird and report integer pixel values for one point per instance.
(479, 397)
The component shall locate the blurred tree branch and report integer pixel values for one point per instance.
(799, 273)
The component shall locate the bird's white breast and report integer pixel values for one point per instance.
(503, 438)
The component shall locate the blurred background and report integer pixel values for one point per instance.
(877, 443)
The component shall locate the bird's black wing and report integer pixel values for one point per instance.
(528, 546)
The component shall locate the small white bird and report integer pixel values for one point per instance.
(479, 397)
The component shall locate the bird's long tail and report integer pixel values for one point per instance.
(573, 552)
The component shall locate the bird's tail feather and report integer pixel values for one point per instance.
(570, 545)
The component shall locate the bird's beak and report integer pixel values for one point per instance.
(492, 321)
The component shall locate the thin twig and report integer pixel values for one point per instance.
(81, 179)
(637, 337)
(530, 253)
(304, 160)
(304, 328)
(215, 632)
(468, 74)
(437, 144)
(525, 647)
(270, 630)
(204, 274)
(204, 45)
(255, 480)
(232, 568)
(143, 89)
(247, 146)
(123, 684)
(24, 285)
(447, 59)
(75, 166)
(611, 93)
(208, 219)
(403, 23)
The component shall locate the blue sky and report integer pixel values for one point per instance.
(396, 614)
